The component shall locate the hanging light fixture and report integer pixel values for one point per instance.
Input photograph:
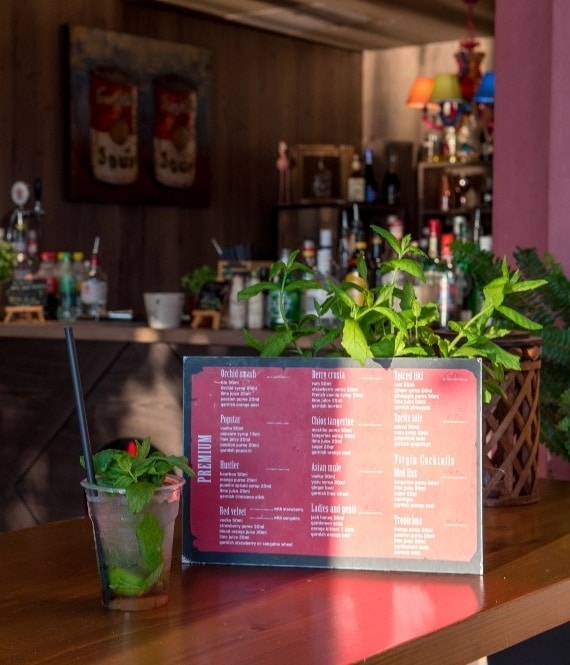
(449, 106)
(469, 58)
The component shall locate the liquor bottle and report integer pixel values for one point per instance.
(344, 249)
(360, 250)
(80, 274)
(321, 274)
(371, 184)
(356, 228)
(429, 292)
(24, 268)
(47, 272)
(67, 305)
(434, 229)
(324, 253)
(445, 201)
(374, 260)
(353, 275)
(391, 186)
(356, 180)
(309, 254)
(94, 288)
(450, 287)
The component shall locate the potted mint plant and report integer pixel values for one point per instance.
(389, 321)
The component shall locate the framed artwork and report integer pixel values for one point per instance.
(139, 120)
(321, 172)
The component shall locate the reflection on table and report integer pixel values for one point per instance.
(242, 615)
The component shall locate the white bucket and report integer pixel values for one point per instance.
(164, 310)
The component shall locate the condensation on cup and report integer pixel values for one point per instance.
(174, 133)
(113, 98)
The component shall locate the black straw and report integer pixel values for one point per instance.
(86, 445)
(80, 404)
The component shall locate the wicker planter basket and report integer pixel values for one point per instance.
(511, 430)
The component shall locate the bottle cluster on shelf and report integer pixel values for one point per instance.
(64, 283)
(447, 284)
(454, 202)
(459, 195)
(362, 183)
(73, 287)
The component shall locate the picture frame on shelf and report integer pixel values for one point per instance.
(320, 172)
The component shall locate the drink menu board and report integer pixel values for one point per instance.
(324, 463)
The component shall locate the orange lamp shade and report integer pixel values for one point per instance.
(420, 92)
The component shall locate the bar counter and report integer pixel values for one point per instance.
(126, 331)
(51, 614)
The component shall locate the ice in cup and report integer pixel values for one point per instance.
(135, 550)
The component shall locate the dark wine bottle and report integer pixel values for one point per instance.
(370, 182)
(391, 187)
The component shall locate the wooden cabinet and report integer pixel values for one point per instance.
(470, 190)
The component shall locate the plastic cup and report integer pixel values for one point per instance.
(135, 550)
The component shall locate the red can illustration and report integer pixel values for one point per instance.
(174, 130)
(113, 99)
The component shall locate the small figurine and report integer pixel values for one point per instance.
(284, 165)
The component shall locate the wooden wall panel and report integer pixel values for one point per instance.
(265, 88)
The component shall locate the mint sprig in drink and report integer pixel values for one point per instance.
(133, 506)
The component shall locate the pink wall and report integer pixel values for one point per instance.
(531, 206)
(559, 218)
(532, 132)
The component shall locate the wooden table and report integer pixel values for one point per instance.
(50, 611)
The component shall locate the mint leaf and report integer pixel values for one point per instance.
(149, 538)
(277, 343)
(354, 342)
(139, 474)
(143, 448)
(520, 319)
(139, 494)
(125, 582)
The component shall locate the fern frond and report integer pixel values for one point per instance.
(554, 296)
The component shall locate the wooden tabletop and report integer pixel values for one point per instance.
(50, 611)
